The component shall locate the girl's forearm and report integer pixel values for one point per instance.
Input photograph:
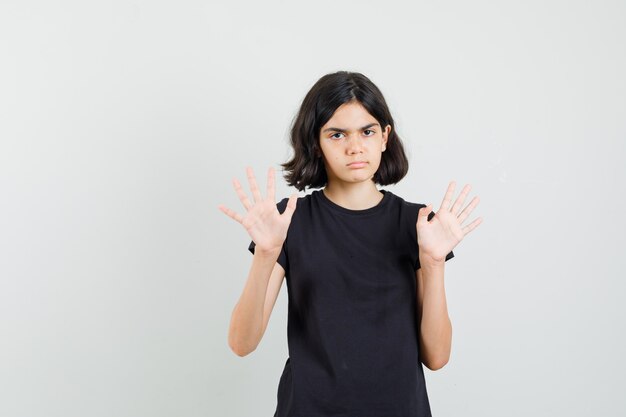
(246, 323)
(435, 325)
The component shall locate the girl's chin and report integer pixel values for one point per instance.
(353, 176)
(355, 179)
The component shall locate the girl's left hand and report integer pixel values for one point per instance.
(437, 237)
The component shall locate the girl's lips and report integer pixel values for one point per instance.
(357, 164)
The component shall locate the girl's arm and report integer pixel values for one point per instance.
(251, 313)
(436, 238)
(268, 230)
(435, 339)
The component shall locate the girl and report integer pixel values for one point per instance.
(364, 268)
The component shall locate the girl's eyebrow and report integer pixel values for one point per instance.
(336, 129)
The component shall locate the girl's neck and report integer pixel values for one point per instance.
(355, 196)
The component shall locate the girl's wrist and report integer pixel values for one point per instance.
(267, 253)
(429, 261)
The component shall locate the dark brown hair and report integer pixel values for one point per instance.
(306, 167)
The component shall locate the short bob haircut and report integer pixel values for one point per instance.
(306, 167)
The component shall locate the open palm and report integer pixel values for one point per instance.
(437, 237)
(263, 222)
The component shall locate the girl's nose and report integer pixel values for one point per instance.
(354, 143)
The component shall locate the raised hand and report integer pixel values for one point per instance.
(437, 237)
(265, 224)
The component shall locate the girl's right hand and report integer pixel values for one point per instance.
(265, 225)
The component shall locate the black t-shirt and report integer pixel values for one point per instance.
(352, 315)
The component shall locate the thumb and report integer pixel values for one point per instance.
(422, 214)
(291, 206)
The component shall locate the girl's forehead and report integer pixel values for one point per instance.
(351, 112)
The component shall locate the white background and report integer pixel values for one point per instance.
(122, 124)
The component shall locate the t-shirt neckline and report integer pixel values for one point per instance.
(381, 204)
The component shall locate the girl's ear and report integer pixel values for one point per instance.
(386, 136)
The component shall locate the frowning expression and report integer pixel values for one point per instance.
(352, 142)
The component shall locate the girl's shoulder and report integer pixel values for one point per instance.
(302, 202)
(405, 203)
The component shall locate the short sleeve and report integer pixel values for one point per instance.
(448, 256)
(282, 257)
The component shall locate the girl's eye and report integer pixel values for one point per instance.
(368, 132)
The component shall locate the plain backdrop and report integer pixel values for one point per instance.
(122, 124)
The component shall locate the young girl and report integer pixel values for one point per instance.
(364, 268)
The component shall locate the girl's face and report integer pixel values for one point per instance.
(352, 142)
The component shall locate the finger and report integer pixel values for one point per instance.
(447, 198)
(467, 210)
(422, 214)
(460, 199)
(253, 186)
(230, 213)
(292, 203)
(242, 195)
(271, 189)
(473, 225)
